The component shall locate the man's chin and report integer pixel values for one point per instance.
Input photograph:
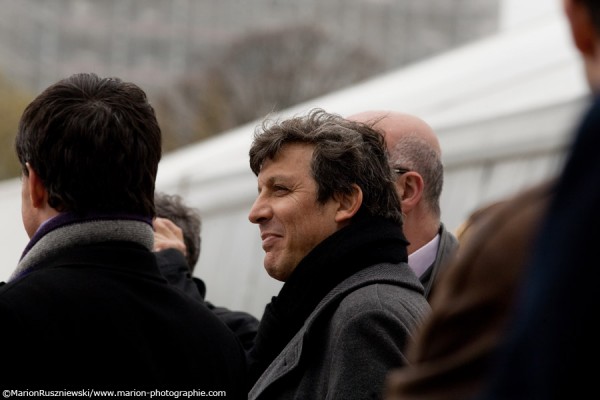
(275, 272)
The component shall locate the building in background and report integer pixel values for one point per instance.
(153, 42)
(211, 65)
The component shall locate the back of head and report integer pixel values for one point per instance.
(95, 143)
(187, 218)
(345, 153)
(412, 145)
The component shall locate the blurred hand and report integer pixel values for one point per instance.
(167, 235)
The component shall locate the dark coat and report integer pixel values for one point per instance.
(101, 315)
(351, 340)
(174, 267)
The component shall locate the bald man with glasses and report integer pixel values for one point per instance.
(415, 155)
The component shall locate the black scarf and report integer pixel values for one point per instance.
(363, 243)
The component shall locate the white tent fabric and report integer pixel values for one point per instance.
(502, 107)
(12, 234)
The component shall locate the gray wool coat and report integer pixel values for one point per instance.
(351, 340)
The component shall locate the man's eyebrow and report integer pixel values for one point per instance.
(278, 178)
(268, 181)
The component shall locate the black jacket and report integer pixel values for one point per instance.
(100, 315)
(174, 267)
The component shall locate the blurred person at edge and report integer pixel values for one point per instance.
(552, 339)
(86, 306)
(177, 245)
(416, 157)
(331, 228)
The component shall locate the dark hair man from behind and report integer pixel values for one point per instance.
(94, 143)
(331, 229)
(179, 270)
(86, 305)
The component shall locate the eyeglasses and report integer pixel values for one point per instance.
(400, 170)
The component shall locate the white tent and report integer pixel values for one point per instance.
(502, 107)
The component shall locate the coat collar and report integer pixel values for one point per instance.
(67, 231)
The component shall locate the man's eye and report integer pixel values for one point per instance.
(280, 189)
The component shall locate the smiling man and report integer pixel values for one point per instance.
(331, 228)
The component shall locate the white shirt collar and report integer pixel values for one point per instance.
(424, 256)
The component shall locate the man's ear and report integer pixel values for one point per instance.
(413, 186)
(582, 27)
(349, 204)
(37, 190)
